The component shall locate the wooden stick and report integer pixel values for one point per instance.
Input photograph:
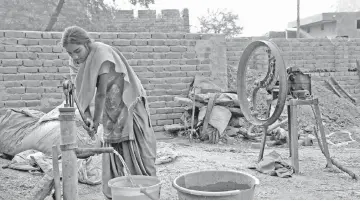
(333, 88)
(274, 126)
(338, 165)
(343, 90)
(56, 173)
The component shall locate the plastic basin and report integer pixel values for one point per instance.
(215, 185)
(122, 189)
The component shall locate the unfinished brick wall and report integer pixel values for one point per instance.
(168, 21)
(320, 57)
(32, 66)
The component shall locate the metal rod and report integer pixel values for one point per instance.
(68, 146)
(56, 172)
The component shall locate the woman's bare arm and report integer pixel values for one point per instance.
(101, 92)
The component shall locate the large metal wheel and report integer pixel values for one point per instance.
(277, 74)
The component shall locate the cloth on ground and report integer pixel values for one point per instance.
(36, 162)
(26, 129)
(274, 165)
(165, 153)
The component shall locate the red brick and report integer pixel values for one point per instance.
(164, 122)
(178, 49)
(159, 104)
(145, 62)
(31, 83)
(52, 83)
(7, 55)
(31, 63)
(13, 77)
(64, 70)
(15, 90)
(143, 35)
(15, 104)
(189, 55)
(174, 115)
(49, 56)
(28, 41)
(34, 49)
(34, 77)
(46, 35)
(158, 116)
(52, 95)
(175, 36)
(172, 42)
(32, 103)
(157, 55)
(126, 36)
(158, 36)
(34, 90)
(178, 74)
(138, 42)
(57, 49)
(162, 74)
(48, 42)
(161, 49)
(108, 35)
(158, 128)
(15, 48)
(14, 34)
(56, 35)
(47, 49)
(11, 97)
(33, 35)
(155, 42)
(11, 62)
(145, 49)
(164, 110)
(173, 55)
(139, 55)
(203, 67)
(8, 70)
(8, 84)
(9, 41)
(26, 55)
(193, 62)
(121, 42)
(30, 96)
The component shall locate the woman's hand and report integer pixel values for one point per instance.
(90, 127)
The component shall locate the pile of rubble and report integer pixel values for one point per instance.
(212, 115)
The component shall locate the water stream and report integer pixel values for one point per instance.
(127, 172)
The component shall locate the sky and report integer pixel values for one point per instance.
(256, 16)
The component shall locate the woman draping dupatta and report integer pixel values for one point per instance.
(139, 148)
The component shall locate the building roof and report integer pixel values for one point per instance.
(319, 18)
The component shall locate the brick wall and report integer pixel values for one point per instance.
(32, 66)
(320, 57)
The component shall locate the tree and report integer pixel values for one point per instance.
(347, 6)
(220, 22)
(96, 6)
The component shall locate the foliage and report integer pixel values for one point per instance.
(93, 15)
(220, 22)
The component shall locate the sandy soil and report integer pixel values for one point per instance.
(314, 181)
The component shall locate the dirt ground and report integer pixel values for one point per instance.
(314, 181)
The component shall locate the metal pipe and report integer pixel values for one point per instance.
(68, 146)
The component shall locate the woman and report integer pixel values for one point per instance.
(102, 71)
